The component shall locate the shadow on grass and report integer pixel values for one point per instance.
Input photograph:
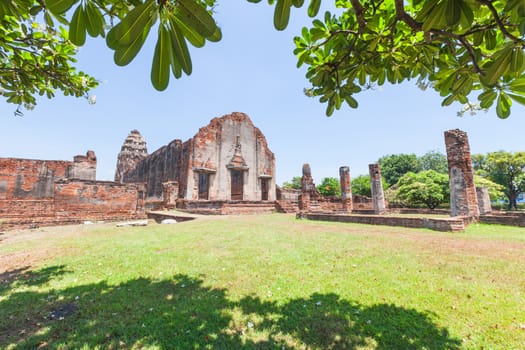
(183, 313)
(24, 276)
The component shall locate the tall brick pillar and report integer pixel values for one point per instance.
(307, 185)
(346, 188)
(378, 197)
(463, 198)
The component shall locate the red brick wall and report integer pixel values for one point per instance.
(29, 178)
(95, 200)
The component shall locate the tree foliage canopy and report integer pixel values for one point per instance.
(294, 184)
(426, 187)
(460, 48)
(394, 166)
(456, 47)
(508, 170)
(329, 186)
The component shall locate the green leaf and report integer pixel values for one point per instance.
(124, 55)
(48, 19)
(313, 8)
(518, 85)
(490, 39)
(217, 35)
(436, 17)
(281, 15)
(59, 6)
(298, 3)
(518, 98)
(352, 102)
(517, 61)
(160, 68)
(330, 108)
(499, 66)
(132, 26)
(453, 11)
(179, 49)
(77, 28)
(94, 20)
(487, 98)
(503, 106)
(193, 37)
(194, 15)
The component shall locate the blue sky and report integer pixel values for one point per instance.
(252, 70)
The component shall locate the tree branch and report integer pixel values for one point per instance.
(405, 17)
(360, 14)
(499, 22)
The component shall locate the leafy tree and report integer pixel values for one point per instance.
(434, 160)
(361, 185)
(294, 184)
(37, 58)
(394, 166)
(508, 170)
(426, 187)
(495, 190)
(456, 47)
(479, 162)
(329, 186)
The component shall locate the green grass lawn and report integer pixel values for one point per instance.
(262, 282)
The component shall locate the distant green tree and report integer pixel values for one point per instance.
(496, 191)
(434, 160)
(426, 187)
(329, 186)
(294, 184)
(479, 163)
(394, 166)
(361, 185)
(508, 170)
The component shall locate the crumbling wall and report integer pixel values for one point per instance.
(161, 166)
(58, 192)
(77, 200)
(83, 167)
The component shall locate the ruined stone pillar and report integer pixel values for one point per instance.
(170, 193)
(346, 188)
(378, 197)
(483, 200)
(306, 188)
(463, 197)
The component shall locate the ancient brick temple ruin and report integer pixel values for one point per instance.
(225, 163)
(57, 192)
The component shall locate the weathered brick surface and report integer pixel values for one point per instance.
(227, 207)
(96, 200)
(346, 188)
(378, 197)
(485, 207)
(446, 224)
(131, 153)
(46, 192)
(463, 197)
